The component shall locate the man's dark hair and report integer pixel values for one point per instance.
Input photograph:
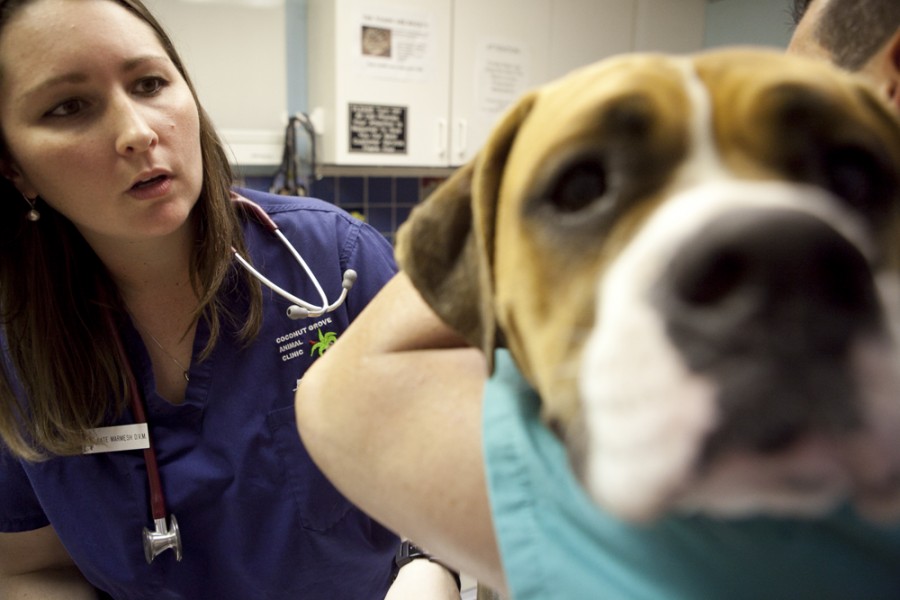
(853, 30)
(798, 9)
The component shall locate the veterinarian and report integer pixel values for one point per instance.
(425, 415)
(147, 432)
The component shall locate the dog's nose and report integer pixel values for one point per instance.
(769, 302)
(785, 272)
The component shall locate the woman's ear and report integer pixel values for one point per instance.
(11, 171)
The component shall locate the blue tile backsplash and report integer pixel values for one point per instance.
(383, 202)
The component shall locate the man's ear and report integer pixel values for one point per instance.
(893, 66)
(447, 244)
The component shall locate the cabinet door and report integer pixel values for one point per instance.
(500, 50)
(670, 25)
(379, 80)
(585, 31)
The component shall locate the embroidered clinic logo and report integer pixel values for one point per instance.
(294, 344)
(325, 341)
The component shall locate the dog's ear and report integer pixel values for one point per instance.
(446, 247)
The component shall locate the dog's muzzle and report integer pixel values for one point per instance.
(774, 379)
(770, 302)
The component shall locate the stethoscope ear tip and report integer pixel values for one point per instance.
(295, 312)
(349, 279)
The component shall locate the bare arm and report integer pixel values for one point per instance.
(392, 414)
(34, 564)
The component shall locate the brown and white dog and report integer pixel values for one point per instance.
(694, 261)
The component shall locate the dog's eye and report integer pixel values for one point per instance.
(579, 186)
(858, 177)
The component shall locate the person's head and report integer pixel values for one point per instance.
(63, 122)
(857, 35)
(100, 126)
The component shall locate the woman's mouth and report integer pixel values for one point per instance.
(152, 187)
(148, 182)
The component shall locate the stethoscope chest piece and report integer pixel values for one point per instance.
(165, 537)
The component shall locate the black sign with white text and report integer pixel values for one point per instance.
(377, 129)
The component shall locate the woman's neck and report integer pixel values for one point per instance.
(151, 267)
(154, 282)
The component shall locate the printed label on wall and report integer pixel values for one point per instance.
(377, 129)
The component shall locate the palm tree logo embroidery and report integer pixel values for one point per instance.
(325, 342)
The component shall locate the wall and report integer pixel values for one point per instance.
(248, 110)
(765, 22)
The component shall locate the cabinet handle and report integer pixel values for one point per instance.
(441, 147)
(462, 143)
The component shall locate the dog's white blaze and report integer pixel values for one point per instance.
(641, 441)
(705, 162)
(645, 412)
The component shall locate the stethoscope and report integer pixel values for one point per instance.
(300, 309)
(166, 534)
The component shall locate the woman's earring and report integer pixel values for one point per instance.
(33, 214)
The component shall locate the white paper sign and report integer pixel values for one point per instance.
(395, 44)
(503, 74)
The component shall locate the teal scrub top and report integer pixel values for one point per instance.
(556, 543)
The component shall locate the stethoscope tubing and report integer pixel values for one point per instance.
(157, 500)
(166, 534)
(301, 308)
(278, 290)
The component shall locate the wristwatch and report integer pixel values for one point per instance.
(408, 552)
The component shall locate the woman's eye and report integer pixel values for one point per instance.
(149, 86)
(66, 108)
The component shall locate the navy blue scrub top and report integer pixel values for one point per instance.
(257, 518)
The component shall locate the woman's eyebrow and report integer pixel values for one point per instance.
(52, 82)
(80, 77)
(134, 63)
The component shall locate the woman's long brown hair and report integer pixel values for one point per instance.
(60, 374)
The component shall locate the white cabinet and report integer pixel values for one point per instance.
(419, 82)
(379, 92)
(422, 82)
(501, 48)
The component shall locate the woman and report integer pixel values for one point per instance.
(119, 296)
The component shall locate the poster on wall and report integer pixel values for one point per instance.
(377, 129)
(395, 44)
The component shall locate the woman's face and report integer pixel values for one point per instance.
(98, 121)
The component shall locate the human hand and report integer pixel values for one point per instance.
(423, 579)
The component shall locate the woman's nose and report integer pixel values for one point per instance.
(134, 132)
